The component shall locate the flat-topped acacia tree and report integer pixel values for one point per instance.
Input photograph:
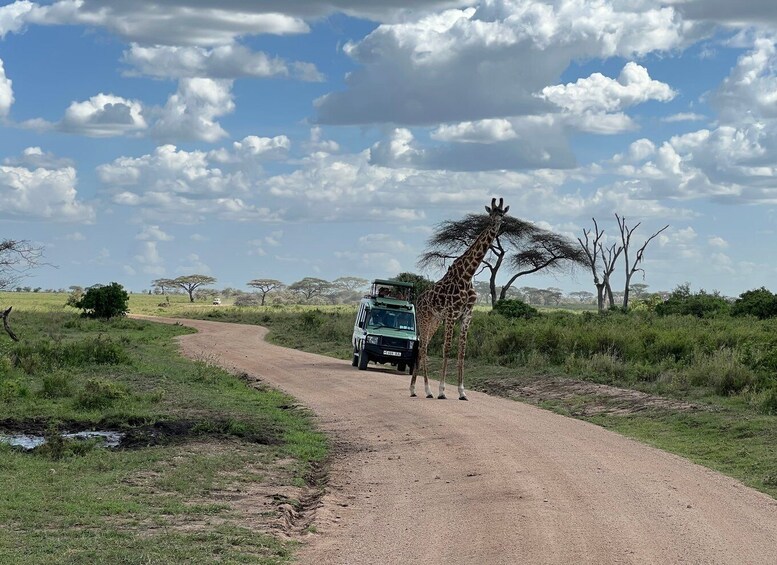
(265, 286)
(189, 283)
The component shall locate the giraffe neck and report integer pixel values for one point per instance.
(464, 267)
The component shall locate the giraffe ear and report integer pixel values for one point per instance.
(488, 209)
(506, 209)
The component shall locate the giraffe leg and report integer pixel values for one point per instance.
(426, 331)
(450, 325)
(466, 318)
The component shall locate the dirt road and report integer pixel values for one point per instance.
(492, 481)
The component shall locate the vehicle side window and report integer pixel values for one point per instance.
(362, 316)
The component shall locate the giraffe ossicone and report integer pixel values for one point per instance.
(451, 299)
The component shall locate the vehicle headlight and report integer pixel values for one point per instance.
(372, 339)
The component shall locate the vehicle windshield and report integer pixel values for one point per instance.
(381, 318)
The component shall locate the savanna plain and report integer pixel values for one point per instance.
(199, 441)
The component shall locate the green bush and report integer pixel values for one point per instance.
(40, 356)
(512, 308)
(100, 393)
(760, 303)
(701, 304)
(56, 385)
(104, 301)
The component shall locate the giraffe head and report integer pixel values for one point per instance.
(497, 212)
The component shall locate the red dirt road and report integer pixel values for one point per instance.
(492, 481)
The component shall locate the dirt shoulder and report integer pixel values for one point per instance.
(491, 480)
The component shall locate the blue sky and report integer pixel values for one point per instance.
(274, 139)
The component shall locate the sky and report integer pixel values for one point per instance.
(248, 139)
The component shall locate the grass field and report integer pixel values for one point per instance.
(200, 444)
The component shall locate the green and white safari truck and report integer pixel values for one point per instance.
(385, 329)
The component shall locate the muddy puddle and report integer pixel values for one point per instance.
(29, 442)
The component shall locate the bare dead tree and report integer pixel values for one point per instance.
(632, 268)
(524, 247)
(591, 249)
(609, 259)
(17, 256)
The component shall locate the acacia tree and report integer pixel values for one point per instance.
(310, 287)
(163, 284)
(524, 247)
(265, 286)
(632, 268)
(189, 283)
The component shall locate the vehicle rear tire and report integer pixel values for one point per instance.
(364, 358)
(401, 367)
(355, 360)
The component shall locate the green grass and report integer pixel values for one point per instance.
(198, 432)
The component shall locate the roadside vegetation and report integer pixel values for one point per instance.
(198, 444)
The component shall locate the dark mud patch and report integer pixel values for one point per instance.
(582, 398)
(135, 435)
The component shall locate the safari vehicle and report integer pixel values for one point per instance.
(385, 330)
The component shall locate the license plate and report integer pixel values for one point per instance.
(394, 353)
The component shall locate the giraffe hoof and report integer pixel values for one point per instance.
(413, 395)
(429, 396)
(442, 397)
(462, 397)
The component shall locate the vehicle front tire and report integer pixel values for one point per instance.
(401, 367)
(364, 358)
(355, 360)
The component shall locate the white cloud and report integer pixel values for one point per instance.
(191, 112)
(193, 265)
(718, 242)
(6, 93)
(173, 23)
(482, 131)
(750, 91)
(599, 93)
(75, 236)
(317, 143)
(535, 142)
(14, 16)
(153, 233)
(35, 157)
(186, 187)
(149, 259)
(103, 115)
(683, 117)
(224, 61)
(41, 193)
(409, 70)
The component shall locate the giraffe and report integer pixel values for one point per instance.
(450, 299)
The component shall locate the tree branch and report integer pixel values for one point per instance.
(7, 326)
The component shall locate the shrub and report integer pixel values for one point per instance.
(247, 300)
(104, 301)
(512, 308)
(47, 355)
(56, 385)
(760, 303)
(99, 393)
(700, 304)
